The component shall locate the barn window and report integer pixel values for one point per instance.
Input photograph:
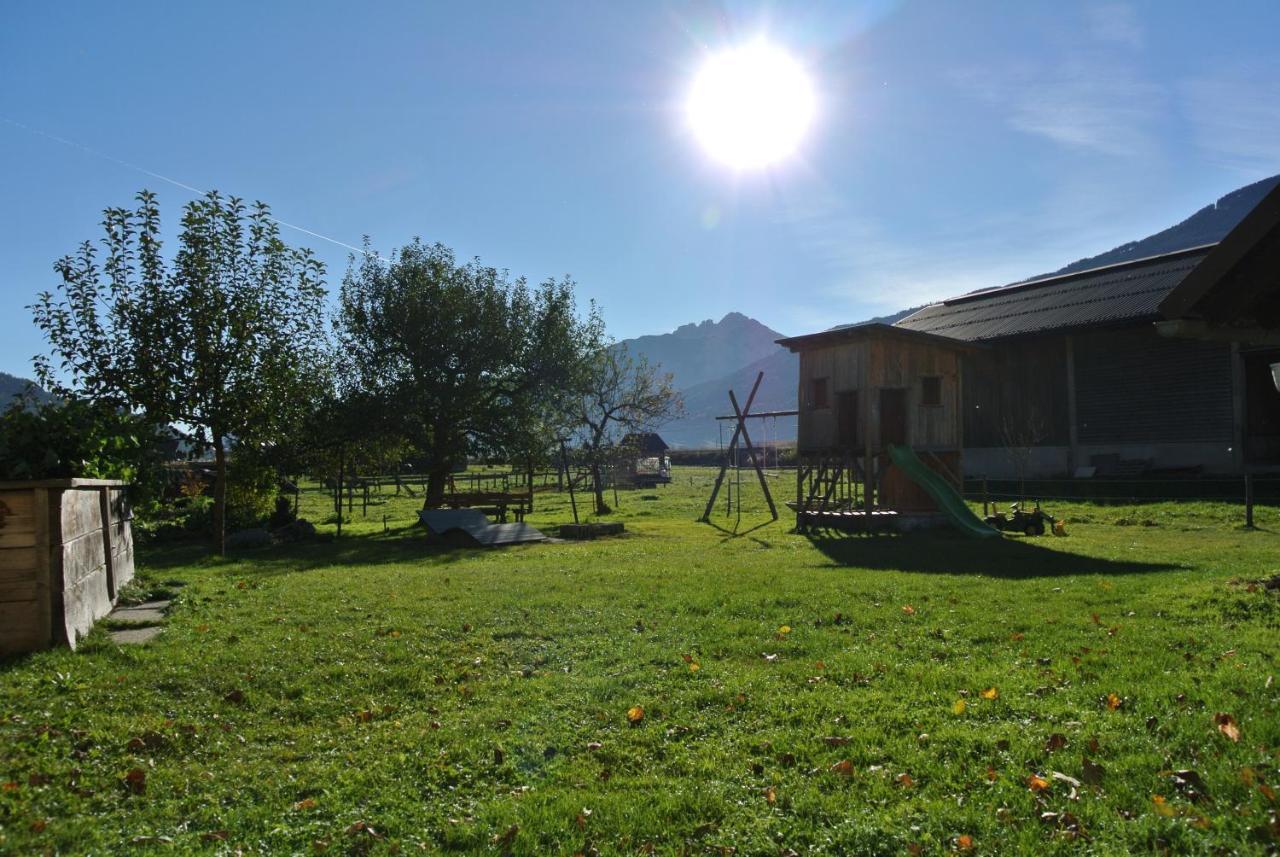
(931, 390)
(818, 393)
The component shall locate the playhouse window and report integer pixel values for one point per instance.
(931, 390)
(818, 393)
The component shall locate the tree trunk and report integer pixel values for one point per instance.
(219, 496)
(529, 484)
(437, 478)
(601, 508)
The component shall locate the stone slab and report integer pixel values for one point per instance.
(151, 611)
(135, 636)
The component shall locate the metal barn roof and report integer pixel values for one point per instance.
(1115, 294)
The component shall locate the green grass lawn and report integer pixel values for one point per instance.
(921, 694)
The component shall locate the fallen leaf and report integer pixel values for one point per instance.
(785, 629)
(835, 740)
(1071, 781)
(820, 665)
(1090, 772)
(958, 706)
(1037, 783)
(305, 804)
(235, 696)
(592, 746)
(39, 825)
(1017, 636)
(635, 714)
(770, 795)
(214, 836)
(507, 838)
(844, 767)
(688, 659)
(989, 693)
(964, 842)
(1227, 725)
(1113, 702)
(991, 774)
(1162, 806)
(694, 667)
(908, 609)
(1267, 792)
(904, 780)
(136, 781)
(365, 828)
(1056, 742)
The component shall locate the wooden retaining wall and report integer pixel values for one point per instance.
(66, 549)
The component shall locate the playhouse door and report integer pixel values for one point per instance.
(893, 417)
(847, 420)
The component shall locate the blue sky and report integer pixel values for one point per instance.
(957, 145)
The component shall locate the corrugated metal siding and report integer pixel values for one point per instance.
(1137, 387)
(1088, 299)
(1019, 390)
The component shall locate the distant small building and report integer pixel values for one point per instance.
(646, 464)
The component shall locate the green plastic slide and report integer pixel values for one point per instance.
(951, 503)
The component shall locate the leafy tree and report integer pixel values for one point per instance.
(464, 359)
(221, 341)
(76, 438)
(625, 395)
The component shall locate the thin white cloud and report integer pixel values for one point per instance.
(1116, 23)
(1084, 103)
(1235, 116)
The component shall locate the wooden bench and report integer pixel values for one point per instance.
(490, 502)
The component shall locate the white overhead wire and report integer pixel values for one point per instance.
(82, 147)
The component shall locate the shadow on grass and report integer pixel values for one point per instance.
(1006, 557)
(735, 533)
(408, 546)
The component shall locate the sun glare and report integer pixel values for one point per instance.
(751, 105)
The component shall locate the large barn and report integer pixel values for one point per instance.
(1156, 364)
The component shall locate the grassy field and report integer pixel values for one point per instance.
(1109, 692)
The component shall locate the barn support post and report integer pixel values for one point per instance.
(1248, 500)
(1073, 422)
(1237, 407)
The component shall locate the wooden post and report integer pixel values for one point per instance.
(342, 461)
(986, 498)
(104, 509)
(724, 465)
(1248, 500)
(751, 456)
(799, 495)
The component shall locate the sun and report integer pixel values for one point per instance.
(751, 105)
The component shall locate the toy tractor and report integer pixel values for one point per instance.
(1030, 523)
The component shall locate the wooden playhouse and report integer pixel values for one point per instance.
(863, 388)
